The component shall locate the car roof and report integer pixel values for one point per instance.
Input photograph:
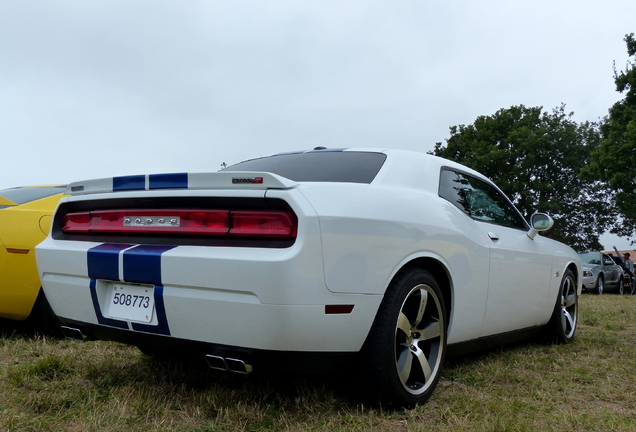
(401, 167)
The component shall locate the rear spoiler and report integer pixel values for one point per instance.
(218, 180)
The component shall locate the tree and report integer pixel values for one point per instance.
(535, 158)
(615, 160)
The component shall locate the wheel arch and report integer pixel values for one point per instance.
(441, 274)
(578, 275)
(572, 266)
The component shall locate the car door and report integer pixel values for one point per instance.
(520, 268)
(611, 270)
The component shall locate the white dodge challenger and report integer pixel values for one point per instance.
(382, 261)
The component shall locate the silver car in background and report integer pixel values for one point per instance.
(601, 272)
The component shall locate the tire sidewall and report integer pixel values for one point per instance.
(380, 346)
(600, 285)
(555, 328)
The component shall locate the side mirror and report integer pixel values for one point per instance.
(539, 222)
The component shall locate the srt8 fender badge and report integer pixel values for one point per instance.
(251, 180)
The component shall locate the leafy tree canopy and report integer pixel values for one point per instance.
(536, 158)
(615, 160)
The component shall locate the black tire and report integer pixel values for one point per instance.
(562, 325)
(44, 318)
(600, 285)
(621, 287)
(405, 350)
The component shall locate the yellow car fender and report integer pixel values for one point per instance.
(22, 227)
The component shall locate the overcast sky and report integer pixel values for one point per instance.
(100, 88)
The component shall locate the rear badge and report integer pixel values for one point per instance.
(159, 221)
(249, 180)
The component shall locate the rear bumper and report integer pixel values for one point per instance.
(262, 360)
(247, 299)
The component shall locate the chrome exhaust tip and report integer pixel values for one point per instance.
(72, 333)
(228, 364)
(216, 362)
(238, 366)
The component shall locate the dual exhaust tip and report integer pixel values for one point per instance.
(73, 333)
(226, 364)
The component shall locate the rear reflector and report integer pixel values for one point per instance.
(257, 223)
(338, 309)
(18, 251)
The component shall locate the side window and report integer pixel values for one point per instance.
(479, 200)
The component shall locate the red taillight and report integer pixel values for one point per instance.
(259, 223)
(262, 224)
(210, 222)
(76, 222)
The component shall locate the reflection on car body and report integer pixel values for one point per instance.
(380, 260)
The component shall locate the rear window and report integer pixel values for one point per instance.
(24, 195)
(318, 166)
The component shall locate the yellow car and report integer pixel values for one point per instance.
(25, 220)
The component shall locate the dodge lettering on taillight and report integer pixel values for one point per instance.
(174, 221)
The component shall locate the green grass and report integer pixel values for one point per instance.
(65, 385)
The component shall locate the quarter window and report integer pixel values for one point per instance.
(479, 200)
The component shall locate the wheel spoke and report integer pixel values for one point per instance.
(431, 331)
(570, 300)
(404, 324)
(423, 362)
(568, 320)
(422, 308)
(404, 364)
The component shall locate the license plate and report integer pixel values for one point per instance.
(132, 302)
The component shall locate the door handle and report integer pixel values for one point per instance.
(493, 236)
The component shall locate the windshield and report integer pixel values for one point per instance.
(591, 258)
(318, 166)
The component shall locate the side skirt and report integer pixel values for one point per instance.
(481, 344)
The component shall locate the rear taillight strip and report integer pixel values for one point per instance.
(244, 223)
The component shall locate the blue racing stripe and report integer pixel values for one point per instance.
(135, 182)
(168, 181)
(98, 312)
(160, 309)
(142, 264)
(103, 261)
